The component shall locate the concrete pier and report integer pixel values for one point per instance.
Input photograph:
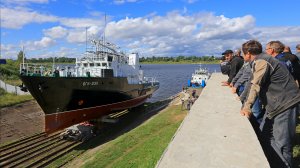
(214, 134)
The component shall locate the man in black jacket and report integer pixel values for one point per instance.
(236, 63)
(287, 55)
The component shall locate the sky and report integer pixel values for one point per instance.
(59, 28)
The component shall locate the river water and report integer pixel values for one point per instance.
(172, 77)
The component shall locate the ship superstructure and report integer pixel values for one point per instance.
(102, 81)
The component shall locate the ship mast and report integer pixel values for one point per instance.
(23, 59)
(86, 41)
(104, 29)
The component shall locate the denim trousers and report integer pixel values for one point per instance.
(257, 110)
(256, 107)
(277, 136)
(240, 90)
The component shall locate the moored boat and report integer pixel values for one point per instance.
(199, 77)
(102, 81)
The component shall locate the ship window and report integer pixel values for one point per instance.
(98, 64)
(109, 58)
(85, 64)
(109, 64)
(91, 64)
(104, 64)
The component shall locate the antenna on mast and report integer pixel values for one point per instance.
(23, 59)
(104, 28)
(86, 40)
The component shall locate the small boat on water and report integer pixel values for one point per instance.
(199, 77)
(103, 81)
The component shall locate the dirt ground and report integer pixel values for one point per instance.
(27, 119)
(20, 120)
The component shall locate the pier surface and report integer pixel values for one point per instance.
(214, 134)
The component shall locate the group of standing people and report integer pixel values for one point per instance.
(267, 84)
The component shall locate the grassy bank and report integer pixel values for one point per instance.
(140, 147)
(9, 99)
(296, 149)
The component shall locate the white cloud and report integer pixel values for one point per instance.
(19, 2)
(222, 27)
(173, 24)
(81, 22)
(18, 17)
(119, 2)
(60, 52)
(197, 34)
(80, 35)
(56, 32)
(44, 43)
(191, 1)
(288, 35)
(174, 34)
(9, 51)
(7, 47)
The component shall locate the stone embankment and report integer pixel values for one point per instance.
(214, 134)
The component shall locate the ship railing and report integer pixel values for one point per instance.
(150, 80)
(31, 69)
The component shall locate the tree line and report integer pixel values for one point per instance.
(44, 60)
(179, 59)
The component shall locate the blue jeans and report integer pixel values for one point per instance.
(240, 90)
(256, 107)
(278, 135)
(257, 110)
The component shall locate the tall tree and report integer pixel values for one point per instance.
(20, 56)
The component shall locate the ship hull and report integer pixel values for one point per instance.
(58, 121)
(70, 100)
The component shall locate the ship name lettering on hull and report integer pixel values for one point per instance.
(89, 83)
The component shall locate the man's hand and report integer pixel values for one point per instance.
(246, 113)
(233, 90)
(225, 83)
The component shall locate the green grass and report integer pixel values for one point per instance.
(140, 147)
(8, 99)
(143, 146)
(296, 149)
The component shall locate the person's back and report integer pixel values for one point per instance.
(242, 78)
(295, 63)
(236, 64)
(298, 51)
(278, 88)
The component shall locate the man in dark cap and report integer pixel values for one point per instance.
(236, 63)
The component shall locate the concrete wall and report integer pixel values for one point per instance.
(214, 134)
(12, 89)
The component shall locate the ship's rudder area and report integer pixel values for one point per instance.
(58, 121)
